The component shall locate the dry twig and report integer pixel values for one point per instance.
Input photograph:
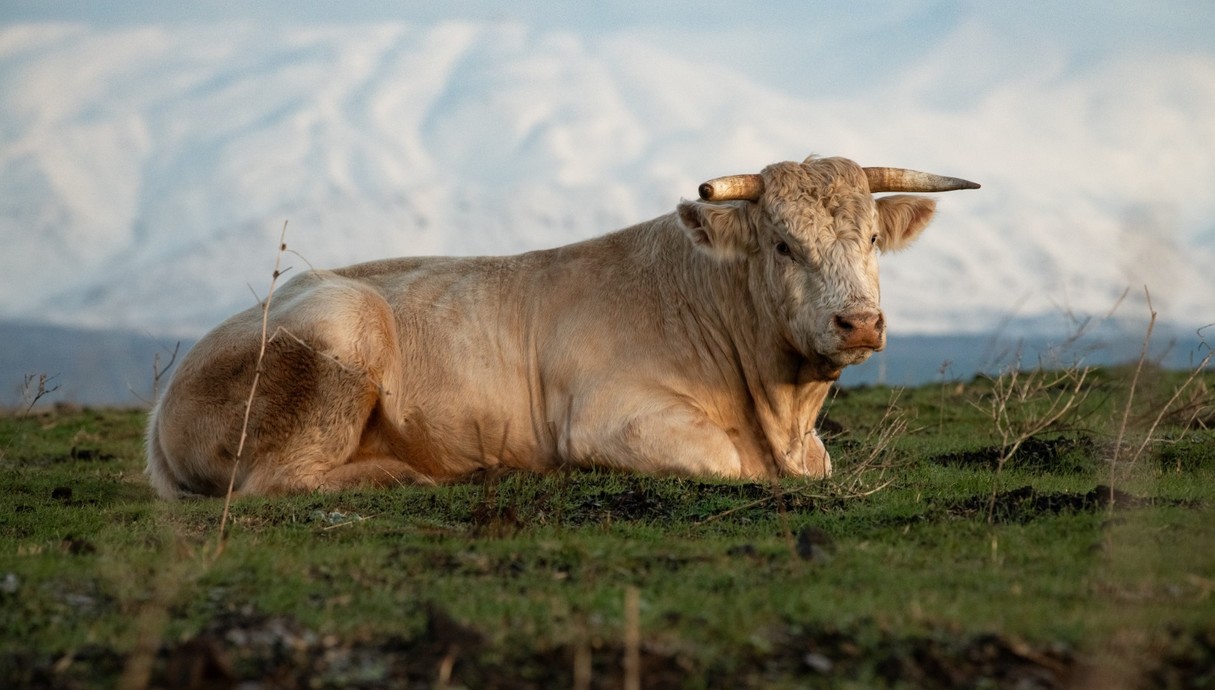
(261, 355)
(1064, 391)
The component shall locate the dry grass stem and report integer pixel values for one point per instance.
(158, 371)
(33, 388)
(261, 354)
(1130, 398)
(1065, 392)
(859, 480)
(632, 639)
(582, 666)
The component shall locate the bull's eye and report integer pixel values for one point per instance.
(873, 240)
(783, 249)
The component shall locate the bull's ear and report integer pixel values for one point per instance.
(721, 230)
(901, 217)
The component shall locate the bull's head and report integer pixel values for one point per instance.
(810, 234)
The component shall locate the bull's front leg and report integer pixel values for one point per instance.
(663, 439)
(811, 459)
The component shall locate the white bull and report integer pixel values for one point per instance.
(702, 342)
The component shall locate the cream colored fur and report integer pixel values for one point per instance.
(699, 343)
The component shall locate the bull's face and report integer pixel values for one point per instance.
(810, 242)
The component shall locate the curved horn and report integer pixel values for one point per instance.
(901, 180)
(733, 188)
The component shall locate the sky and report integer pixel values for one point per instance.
(1087, 29)
(151, 151)
(1077, 117)
(803, 48)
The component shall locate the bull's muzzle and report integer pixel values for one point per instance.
(860, 329)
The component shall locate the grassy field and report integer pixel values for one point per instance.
(1037, 530)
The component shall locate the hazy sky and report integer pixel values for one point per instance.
(793, 45)
(1086, 121)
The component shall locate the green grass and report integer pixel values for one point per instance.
(934, 563)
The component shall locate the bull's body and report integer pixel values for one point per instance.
(657, 348)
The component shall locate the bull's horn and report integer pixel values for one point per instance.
(733, 188)
(900, 180)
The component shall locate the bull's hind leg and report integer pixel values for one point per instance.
(332, 356)
(385, 472)
(332, 359)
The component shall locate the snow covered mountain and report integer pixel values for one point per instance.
(146, 170)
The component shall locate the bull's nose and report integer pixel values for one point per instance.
(860, 329)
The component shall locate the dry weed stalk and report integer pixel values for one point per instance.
(880, 442)
(153, 615)
(158, 372)
(1063, 392)
(221, 539)
(632, 638)
(943, 370)
(1130, 397)
(1194, 406)
(33, 388)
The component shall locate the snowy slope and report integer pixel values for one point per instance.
(145, 172)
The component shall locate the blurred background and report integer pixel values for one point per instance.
(150, 153)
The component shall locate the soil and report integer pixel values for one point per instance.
(252, 651)
(1052, 454)
(1025, 504)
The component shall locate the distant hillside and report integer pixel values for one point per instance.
(144, 167)
(89, 367)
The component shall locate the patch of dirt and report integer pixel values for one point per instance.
(1025, 504)
(76, 454)
(633, 504)
(254, 651)
(1188, 661)
(1062, 453)
(639, 502)
(90, 455)
(933, 661)
(587, 498)
(77, 668)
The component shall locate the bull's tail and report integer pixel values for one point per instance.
(159, 472)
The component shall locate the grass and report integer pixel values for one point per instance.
(936, 557)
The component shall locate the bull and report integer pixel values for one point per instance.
(700, 343)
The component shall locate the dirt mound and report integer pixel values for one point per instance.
(1025, 504)
(1066, 454)
(243, 649)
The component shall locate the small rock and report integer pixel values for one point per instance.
(818, 662)
(199, 664)
(742, 550)
(812, 544)
(77, 546)
(10, 583)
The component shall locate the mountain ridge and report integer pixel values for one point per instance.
(147, 170)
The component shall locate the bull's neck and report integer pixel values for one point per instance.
(788, 392)
(786, 389)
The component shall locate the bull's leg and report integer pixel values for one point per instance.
(676, 440)
(331, 357)
(385, 472)
(325, 383)
(308, 416)
(816, 461)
